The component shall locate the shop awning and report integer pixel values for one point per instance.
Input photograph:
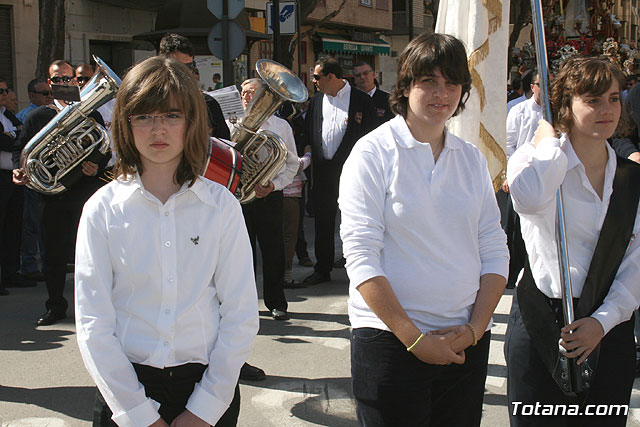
(336, 43)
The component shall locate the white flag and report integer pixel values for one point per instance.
(483, 26)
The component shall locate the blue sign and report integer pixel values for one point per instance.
(287, 17)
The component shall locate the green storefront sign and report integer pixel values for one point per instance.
(332, 45)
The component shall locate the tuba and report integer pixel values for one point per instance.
(52, 159)
(263, 152)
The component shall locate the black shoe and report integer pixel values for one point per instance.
(305, 262)
(340, 263)
(3, 292)
(292, 284)
(49, 318)
(279, 314)
(317, 278)
(251, 373)
(35, 276)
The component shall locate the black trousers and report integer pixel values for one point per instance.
(264, 224)
(60, 217)
(528, 381)
(515, 243)
(393, 388)
(325, 203)
(171, 387)
(301, 243)
(11, 200)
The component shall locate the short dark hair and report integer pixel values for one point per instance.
(579, 76)
(527, 79)
(172, 42)
(329, 65)
(217, 76)
(2, 80)
(31, 87)
(152, 85)
(62, 62)
(422, 57)
(363, 63)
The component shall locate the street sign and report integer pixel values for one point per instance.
(236, 39)
(235, 7)
(287, 17)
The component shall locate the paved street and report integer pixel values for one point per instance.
(44, 383)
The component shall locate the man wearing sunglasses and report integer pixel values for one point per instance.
(10, 197)
(84, 72)
(179, 47)
(337, 117)
(61, 212)
(39, 94)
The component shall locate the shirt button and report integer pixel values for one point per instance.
(166, 343)
(166, 214)
(170, 279)
(167, 311)
(167, 243)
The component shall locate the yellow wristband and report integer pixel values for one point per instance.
(473, 332)
(412, 346)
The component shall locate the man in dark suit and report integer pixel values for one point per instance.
(364, 79)
(10, 197)
(61, 212)
(338, 116)
(179, 47)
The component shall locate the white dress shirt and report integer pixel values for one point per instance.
(534, 176)
(522, 122)
(164, 285)
(335, 117)
(281, 128)
(5, 156)
(515, 102)
(432, 229)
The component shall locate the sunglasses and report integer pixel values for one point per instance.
(3, 91)
(83, 79)
(316, 77)
(58, 79)
(42, 92)
(191, 65)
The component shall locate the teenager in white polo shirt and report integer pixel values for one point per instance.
(426, 257)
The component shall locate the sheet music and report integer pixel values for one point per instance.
(230, 102)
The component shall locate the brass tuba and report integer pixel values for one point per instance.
(263, 152)
(70, 137)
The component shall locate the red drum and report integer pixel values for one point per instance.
(225, 165)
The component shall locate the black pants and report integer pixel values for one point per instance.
(60, 217)
(393, 388)
(171, 387)
(264, 223)
(325, 202)
(528, 381)
(515, 243)
(11, 199)
(301, 243)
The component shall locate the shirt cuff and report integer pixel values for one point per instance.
(608, 316)
(206, 406)
(144, 414)
(498, 266)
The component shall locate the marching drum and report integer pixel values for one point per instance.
(225, 165)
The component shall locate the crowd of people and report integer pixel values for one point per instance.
(165, 324)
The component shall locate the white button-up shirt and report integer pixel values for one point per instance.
(335, 117)
(534, 176)
(432, 229)
(164, 285)
(522, 122)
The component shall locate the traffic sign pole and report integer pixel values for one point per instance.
(275, 19)
(227, 64)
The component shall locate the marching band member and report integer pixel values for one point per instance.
(166, 304)
(426, 257)
(601, 205)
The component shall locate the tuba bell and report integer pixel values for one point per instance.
(263, 152)
(71, 137)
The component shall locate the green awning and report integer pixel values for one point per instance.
(334, 43)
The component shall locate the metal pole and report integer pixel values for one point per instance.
(227, 64)
(561, 236)
(275, 19)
